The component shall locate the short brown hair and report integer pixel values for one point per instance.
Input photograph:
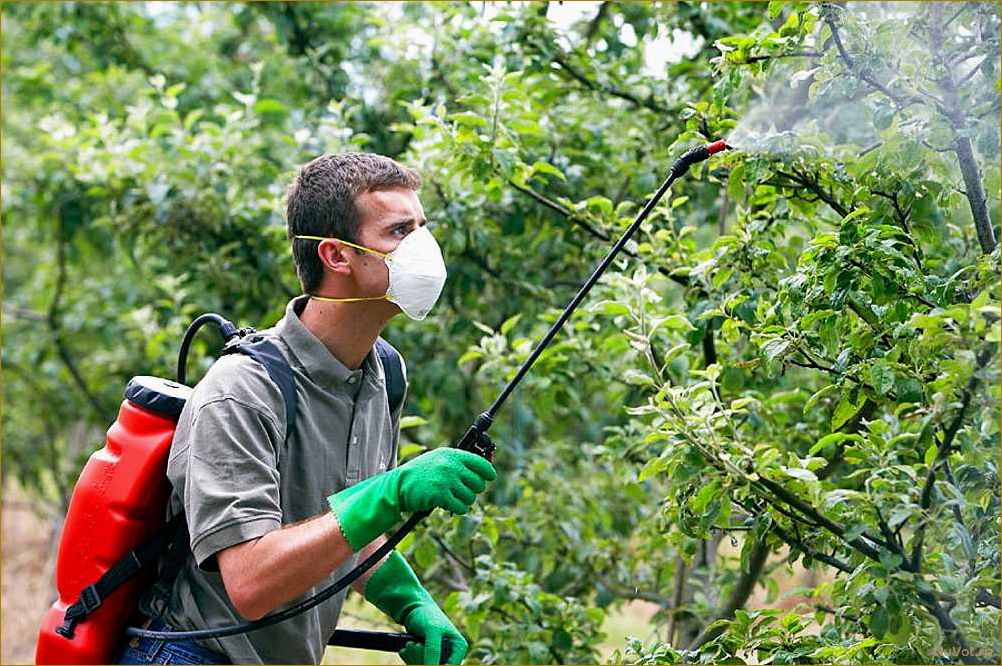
(321, 202)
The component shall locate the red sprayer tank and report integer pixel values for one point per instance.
(118, 502)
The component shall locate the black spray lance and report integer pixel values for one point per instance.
(475, 440)
(472, 440)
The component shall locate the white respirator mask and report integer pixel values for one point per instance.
(417, 273)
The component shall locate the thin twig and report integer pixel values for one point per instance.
(648, 103)
(55, 325)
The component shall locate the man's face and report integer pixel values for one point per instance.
(386, 217)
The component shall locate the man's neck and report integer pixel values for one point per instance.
(348, 330)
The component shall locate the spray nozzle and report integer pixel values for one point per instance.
(716, 147)
(696, 154)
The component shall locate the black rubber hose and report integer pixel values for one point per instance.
(225, 326)
(482, 423)
(297, 608)
(363, 639)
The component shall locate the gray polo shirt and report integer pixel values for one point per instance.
(237, 477)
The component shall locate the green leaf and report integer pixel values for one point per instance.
(425, 553)
(653, 467)
(411, 422)
(269, 106)
(509, 324)
(965, 539)
(820, 393)
(175, 89)
(470, 356)
(706, 493)
(483, 327)
(611, 308)
(408, 451)
(489, 529)
(908, 389)
(833, 438)
(468, 119)
(775, 348)
(523, 126)
(846, 409)
(562, 640)
(930, 454)
(673, 322)
(799, 473)
(543, 167)
(742, 402)
(859, 212)
(601, 203)
(720, 277)
(882, 378)
(637, 378)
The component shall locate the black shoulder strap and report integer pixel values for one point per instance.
(268, 355)
(393, 368)
(264, 351)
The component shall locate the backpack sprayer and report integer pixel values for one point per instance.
(474, 440)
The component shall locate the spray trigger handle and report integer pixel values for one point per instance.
(476, 440)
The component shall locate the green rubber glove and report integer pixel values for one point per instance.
(444, 478)
(394, 589)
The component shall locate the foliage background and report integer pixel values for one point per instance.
(796, 366)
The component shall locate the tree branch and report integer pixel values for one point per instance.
(954, 112)
(943, 451)
(901, 288)
(742, 589)
(595, 86)
(676, 597)
(53, 318)
(596, 233)
(804, 181)
(974, 70)
(814, 515)
(902, 216)
(27, 315)
(777, 56)
(569, 214)
(864, 75)
(593, 25)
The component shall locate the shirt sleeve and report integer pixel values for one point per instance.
(229, 475)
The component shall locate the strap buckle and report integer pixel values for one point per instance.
(240, 337)
(90, 599)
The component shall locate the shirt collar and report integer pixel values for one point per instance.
(314, 357)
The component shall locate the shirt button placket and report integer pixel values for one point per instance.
(354, 449)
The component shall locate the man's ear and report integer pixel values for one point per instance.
(333, 255)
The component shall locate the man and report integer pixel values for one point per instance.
(275, 515)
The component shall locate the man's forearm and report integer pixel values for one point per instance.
(262, 574)
(359, 585)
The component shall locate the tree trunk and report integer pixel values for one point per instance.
(961, 144)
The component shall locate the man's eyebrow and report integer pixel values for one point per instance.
(406, 220)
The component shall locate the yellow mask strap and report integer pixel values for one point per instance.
(360, 247)
(348, 300)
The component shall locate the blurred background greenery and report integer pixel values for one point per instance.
(801, 333)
